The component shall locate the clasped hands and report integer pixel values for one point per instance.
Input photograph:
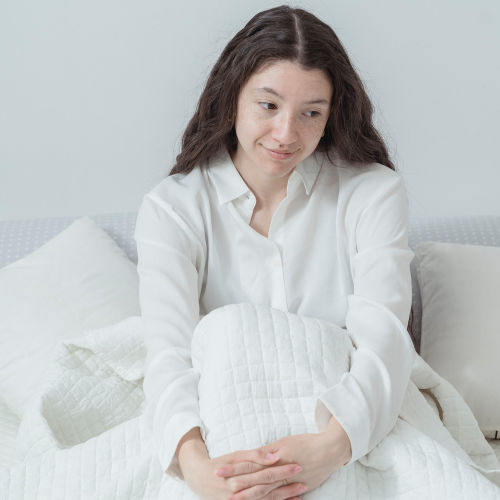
(253, 474)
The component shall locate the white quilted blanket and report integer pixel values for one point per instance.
(260, 373)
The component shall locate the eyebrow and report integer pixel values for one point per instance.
(272, 91)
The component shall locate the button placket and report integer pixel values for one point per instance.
(278, 298)
(276, 232)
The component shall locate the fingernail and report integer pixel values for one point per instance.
(297, 469)
(271, 456)
(220, 472)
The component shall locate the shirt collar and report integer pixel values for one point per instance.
(230, 185)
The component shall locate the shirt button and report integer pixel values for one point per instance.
(276, 263)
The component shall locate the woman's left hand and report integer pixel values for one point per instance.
(319, 454)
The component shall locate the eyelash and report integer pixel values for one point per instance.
(317, 113)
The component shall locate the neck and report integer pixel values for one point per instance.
(268, 191)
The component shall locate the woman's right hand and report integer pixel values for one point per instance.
(260, 479)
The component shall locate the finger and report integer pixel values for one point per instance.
(238, 469)
(243, 468)
(268, 492)
(273, 476)
(245, 462)
(279, 475)
(258, 455)
(291, 490)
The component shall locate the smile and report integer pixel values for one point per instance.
(279, 155)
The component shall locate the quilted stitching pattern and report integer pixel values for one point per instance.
(114, 459)
(266, 369)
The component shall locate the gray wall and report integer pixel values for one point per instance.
(94, 95)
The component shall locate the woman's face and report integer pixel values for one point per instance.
(281, 115)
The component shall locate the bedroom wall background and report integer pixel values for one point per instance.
(94, 95)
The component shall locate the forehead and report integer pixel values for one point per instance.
(288, 78)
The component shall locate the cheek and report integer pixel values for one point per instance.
(313, 131)
(247, 133)
(250, 128)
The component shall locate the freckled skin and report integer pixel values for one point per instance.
(286, 122)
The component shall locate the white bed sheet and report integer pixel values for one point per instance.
(9, 424)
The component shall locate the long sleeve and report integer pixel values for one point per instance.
(169, 258)
(368, 398)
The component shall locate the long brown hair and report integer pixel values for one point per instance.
(282, 33)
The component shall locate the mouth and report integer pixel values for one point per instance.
(279, 155)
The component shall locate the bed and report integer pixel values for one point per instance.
(439, 240)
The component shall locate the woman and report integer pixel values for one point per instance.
(283, 194)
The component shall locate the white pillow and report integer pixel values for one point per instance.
(80, 279)
(460, 289)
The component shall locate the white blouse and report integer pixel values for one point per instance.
(337, 249)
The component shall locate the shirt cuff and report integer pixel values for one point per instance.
(177, 426)
(346, 402)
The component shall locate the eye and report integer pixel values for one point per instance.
(314, 114)
(267, 105)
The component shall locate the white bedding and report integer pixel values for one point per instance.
(9, 424)
(85, 436)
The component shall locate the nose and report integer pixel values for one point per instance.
(284, 129)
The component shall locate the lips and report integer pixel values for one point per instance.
(281, 152)
(279, 155)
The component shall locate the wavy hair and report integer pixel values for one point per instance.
(283, 33)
